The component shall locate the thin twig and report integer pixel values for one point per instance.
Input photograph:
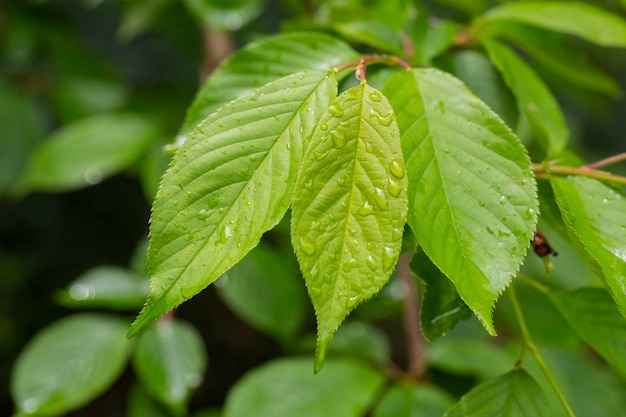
(216, 47)
(541, 171)
(607, 161)
(415, 344)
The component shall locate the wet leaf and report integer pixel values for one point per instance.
(472, 195)
(349, 212)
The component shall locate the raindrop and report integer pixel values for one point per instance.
(315, 225)
(605, 201)
(315, 291)
(324, 126)
(352, 302)
(187, 292)
(502, 200)
(350, 265)
(225, 234)
(380, 199)
(365, 209)
(320, 155)
(368, 147)
(81, 292)
(396, 167)
(93, 175)
(308, 184)
(338, 139)
(335, 110)
(307, 246)
(388, 258)
(314, 271)
(371, 263)
(394, 187)
(396, 233)
(375, 96)
(344, 123)
(203, 214)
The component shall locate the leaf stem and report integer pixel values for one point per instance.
(529, 346)
(534, 283)
(366, 60)
(541, 171)
(415, 346)
(607, 161)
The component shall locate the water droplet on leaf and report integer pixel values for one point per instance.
(307, 246)
(335, 110)
(365, 209)
(396, 167)
(394, 187)
(388, 258)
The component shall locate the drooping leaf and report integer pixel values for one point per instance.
(265, 291)
(472, 196)
(594, 218)
(263, 61)
(170, 361)
(68, 364)
(575, 18)
(350, 208)
(515, 394)
(87, 151)
(441, 307)
(230, 182)
(108, 287)
(413, 401)
(288, 388)
(592, 314)
(557, 54)
(534, 97)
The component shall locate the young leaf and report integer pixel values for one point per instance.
(170, 361)
(533, 96)
(266, 292)
(230, 182)
(592, 314)
(593, 215)
(441, 308)
(85, 152)
(350, 208)
(515, 394)
(472, 196)
(68, 364)
(579, 19)
(263, 61)
(287, 388)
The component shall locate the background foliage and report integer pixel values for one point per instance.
(91, 92)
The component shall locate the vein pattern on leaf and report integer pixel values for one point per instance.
(230, 182)
(472, 196)
(350, 210)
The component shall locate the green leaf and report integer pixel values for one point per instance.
(170, 361)
(362, 340)
(140, 404)
(515, 394)
(588, 22)
(413, 401)
(594, 218)
(534, 97)
(442, 307)
(557, 54)
(371, 33)
(593, 315)
(287, 388)
(263, 61)
(265, 291)
(231, 182)
(108, 287)
(350, 208)
(472, 195)
(68, 364)
(85, 152)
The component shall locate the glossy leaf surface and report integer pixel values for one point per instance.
(85, 152)
(472, 196)
(594, 217)
(69, 363)
(265, 290)
(592, 314)
(350, 208)
(441, 307)
(288, 388)
(170, 361)
(534, 97)
(588, 22)
(230, 182)
(515, 394)
(108, 287)
(263, 61)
